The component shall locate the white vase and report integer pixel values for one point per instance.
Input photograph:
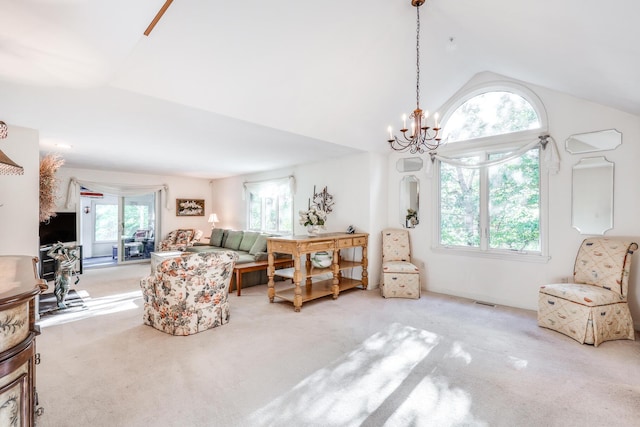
(321, 259)
(313, 230)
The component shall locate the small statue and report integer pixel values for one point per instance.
(66, 257)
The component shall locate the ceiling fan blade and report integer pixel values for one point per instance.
(161, 12)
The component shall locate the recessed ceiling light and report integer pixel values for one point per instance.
(451, 45)
(58, 144)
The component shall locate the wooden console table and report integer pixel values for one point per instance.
(19, 286)
(297, 246)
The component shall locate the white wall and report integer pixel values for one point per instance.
(19, 195)
(516, 283)
(357, 183)
(365, 187)
(179, 187)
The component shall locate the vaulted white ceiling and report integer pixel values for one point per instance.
(222, 88)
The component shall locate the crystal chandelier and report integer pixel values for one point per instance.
(422, 137)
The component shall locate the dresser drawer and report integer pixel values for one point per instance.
(345, 243)
(316, 246)
(358, 241)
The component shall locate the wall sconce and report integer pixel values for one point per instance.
(87, 209)
(213, 218)
(8, 166)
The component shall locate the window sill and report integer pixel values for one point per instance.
(502, 255)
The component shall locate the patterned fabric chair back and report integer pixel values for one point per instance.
(604, 262)
(181, 239)
(189, 293)
(395, 245)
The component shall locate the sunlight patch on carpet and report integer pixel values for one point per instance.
(434, 403)
(517, 363)
(346, 392)
(95, 307)
(458, 352)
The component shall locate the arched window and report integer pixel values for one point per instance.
(490, 114)
(489, 195)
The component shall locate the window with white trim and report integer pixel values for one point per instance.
(270, 206)
(489, 186)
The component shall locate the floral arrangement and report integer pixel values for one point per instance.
(323, 200)
(412, 217)
(49, 165)
(313, 216)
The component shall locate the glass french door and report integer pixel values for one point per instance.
(137, 227)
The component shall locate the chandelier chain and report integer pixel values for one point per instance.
(422, 137)
(418, 57)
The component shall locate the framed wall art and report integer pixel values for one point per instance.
(189, 207)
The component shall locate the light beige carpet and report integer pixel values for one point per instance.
(358, 360)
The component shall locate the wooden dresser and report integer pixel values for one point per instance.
(319, 282)
(19, 286)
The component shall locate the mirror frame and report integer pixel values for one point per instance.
(409, 199)
(592, 195)
(608, 139)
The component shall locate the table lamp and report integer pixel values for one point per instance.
(213, 218)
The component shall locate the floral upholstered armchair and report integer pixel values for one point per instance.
(180, 240)
(594, 308)
(188, 294)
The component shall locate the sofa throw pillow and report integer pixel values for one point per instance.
(216, 237)
(248, 239)
(260, 245)
(183, 237)
(171, 237)
(233, 240)
(140, 235)
(197, 235)
(225, 233)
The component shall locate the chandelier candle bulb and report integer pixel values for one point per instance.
(404, 121)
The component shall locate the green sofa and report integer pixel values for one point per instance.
(249, 245)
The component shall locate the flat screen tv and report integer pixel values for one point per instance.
(59, 228)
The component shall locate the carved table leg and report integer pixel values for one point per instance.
(365, 264)
(297, 278)
(335, 267)
(271, 291)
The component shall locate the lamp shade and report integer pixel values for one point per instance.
(213, 218)
(8, 166)
(4, 130)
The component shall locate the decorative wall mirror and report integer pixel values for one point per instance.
(593, 141)
(409, 164)
(409, 201)
(592, 196)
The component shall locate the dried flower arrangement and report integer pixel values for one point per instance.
(316, 214)
(49, 165)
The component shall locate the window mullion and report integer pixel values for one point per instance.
(484, 205)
